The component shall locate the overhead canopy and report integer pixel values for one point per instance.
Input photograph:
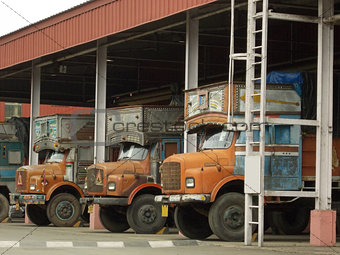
(146, 49)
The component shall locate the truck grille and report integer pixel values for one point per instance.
(171, 176)
(21, 181)
(95, 180)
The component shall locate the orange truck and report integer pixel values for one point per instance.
(125, 189)
(52, 190)
(207, 186)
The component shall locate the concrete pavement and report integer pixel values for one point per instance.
(19, 238)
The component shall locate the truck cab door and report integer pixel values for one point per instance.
(171, 146)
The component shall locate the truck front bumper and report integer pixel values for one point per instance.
(183, 199)
(27, 199)
(122, 201)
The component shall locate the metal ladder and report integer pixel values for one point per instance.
(256, 63)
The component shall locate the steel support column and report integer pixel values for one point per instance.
(324, 107)
(191, 69)
(35, 111)
(323, 225)
(100, 105)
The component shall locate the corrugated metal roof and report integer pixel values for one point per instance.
(45, 19)
(87, 22)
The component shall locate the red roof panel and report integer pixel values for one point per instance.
(85, 23)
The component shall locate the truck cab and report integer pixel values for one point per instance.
(51, 190)
(125, 189)
(207, 186)
(11, 157)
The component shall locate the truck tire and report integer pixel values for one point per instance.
(191, 223)
(226, 217)
(64, 210)
(4, 207)
(112, 220)
(37, 214)
(145, 216)
(292, 222)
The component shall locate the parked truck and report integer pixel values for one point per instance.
(52, 190)
(207, 186)
(12, 157)
(125, 189)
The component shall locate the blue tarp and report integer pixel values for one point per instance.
(291, 78)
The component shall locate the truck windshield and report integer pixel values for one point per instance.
(55, 157)
(133, 151)
(216, 138)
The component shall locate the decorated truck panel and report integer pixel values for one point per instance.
(125, 189)
(52, 190)
(207, 186)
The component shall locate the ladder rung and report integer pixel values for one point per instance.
(253, 222)
(253, 206)
(257, 31)
(254, 95)
(254, 143)
(258, 15)
(255, 1)
(257, 63)
(257, 55)
(239, 56)
(256, 110)
(256, 79)
(257, 47)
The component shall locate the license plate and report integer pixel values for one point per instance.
(165, 209)
(90, 209)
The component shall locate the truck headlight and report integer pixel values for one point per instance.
(190, 182)
(32, 186)
(111, 186)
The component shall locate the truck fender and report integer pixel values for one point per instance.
(57, 185)
(220, 184)
(141, 187)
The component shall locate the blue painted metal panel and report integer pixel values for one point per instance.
(8, 171)
(7, 175)
(281, 172)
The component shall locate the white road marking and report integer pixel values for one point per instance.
(59, 244)
(161, 244)
(110, 244)
(6, 244)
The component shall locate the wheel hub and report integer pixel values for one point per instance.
(233, 217)
(147, 214)
(65, 210)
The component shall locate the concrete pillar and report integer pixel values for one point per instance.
(100, 104)
(191, 69)
(94, 218)
(27, 220)
(323, 225)
(100, 115)
(35, 111)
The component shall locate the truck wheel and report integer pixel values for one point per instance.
(292, 222)
(191, 223)
(226, 217)
(112, 220)
(64, 210)
(4, 207)
(37, 214)
(145, 216)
